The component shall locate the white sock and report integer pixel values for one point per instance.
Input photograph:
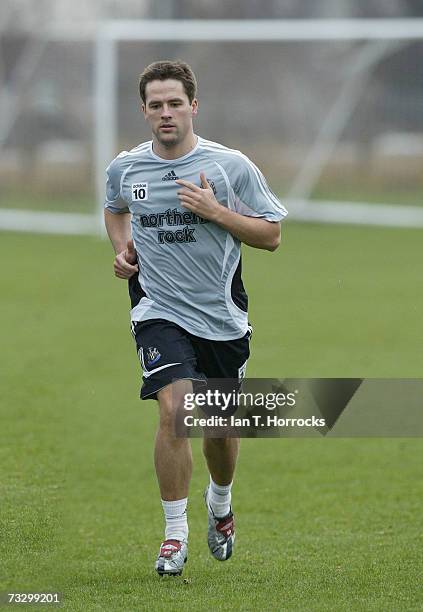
(176, 519)
(219, 498)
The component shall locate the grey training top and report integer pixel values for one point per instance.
(189, 267)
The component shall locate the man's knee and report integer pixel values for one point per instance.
(171, 404)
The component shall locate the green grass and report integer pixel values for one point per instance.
(323, 524)
(76, 203)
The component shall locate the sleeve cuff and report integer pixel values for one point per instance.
(116, 210)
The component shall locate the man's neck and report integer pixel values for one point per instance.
(175, 151)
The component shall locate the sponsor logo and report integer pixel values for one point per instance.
(170, 176)
(182, 235)
(153, 355)
(139, 192)
(171, 217)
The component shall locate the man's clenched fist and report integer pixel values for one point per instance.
(125, 264)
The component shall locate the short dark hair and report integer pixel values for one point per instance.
(178, 70)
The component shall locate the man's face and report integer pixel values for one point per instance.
(168, 111)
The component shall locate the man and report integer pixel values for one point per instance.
(191, 203)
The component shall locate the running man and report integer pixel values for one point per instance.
(177, 209)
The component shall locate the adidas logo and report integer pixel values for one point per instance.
(170, 176)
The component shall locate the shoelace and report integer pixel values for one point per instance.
(169, 547)
(226, 526)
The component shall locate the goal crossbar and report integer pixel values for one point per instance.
(262, 29)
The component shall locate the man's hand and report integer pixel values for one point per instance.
(200, 200)
(125, 262)
(255, 232)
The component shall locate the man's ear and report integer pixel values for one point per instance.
(143, 108)
(194, 106)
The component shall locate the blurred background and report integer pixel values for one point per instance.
(332, 120)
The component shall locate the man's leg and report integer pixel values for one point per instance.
(226, 361)
(221, 455)
(172, 455)
(173, 462)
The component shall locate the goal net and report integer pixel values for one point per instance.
(331, 111)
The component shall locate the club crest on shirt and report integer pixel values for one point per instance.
(153, 355)
(212, 185)
(139, 192)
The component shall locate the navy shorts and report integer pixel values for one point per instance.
(168, 353)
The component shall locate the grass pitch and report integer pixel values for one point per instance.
(321, 524)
